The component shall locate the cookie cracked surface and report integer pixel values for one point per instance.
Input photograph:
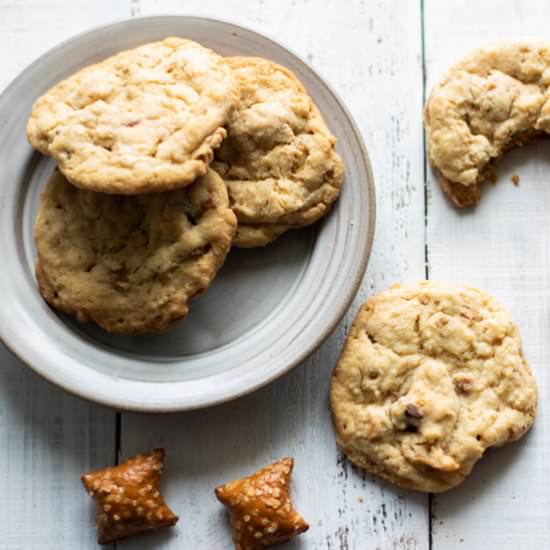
(431, 375)
(279, 160)
(143, 120)
(495, 98)
(130, 263)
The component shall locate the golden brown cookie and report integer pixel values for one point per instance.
(143, 120)
(253, 235)
(128, 499)
(431, 375)
(261, 509)
(494, 99)
(130, 263)
(279, 160)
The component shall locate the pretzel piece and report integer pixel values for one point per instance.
(128, 499)
(261, 510)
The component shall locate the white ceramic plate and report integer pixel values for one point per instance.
(267, 310)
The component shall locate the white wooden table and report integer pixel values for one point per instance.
(382, 57)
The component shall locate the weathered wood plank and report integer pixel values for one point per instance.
(47, 438)
(502, 247)
(371, 53)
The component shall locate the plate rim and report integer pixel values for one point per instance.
(344, 303)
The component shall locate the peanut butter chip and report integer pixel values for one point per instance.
(258, 519)
(117, 517)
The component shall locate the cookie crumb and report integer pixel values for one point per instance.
(515, 180)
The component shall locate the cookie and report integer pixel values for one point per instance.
(141, 121)
(261, 509)
(130, 263)
(492, 100)
(128, 499)
(253, 235)
(431, 375)
(279, 160)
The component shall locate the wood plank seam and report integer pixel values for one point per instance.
(426, 210)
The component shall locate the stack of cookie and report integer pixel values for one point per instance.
(167, 155)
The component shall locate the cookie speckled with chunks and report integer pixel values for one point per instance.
(495, 98)
(279, 159)
(128, 499)
(131, 263)
(144, 120)
(431, 375)
(261, 510)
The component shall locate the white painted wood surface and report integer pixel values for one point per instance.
(502, 247)
(371, 52)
